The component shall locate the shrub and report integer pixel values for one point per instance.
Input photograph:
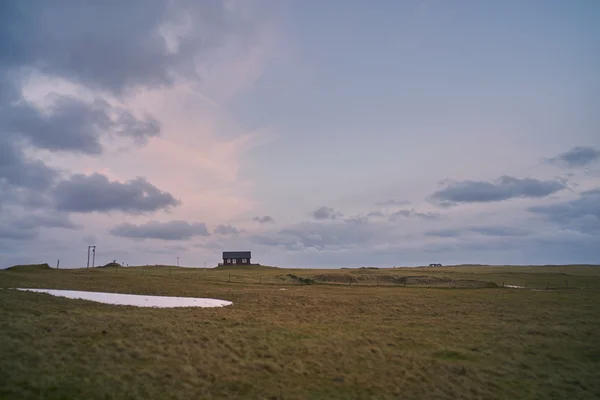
(306, 281)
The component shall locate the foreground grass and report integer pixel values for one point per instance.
(305, 342)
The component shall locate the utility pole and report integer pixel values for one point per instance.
(57, 263)
(178, 261)
(88, 263)
(93, 256)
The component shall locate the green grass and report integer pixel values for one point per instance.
(28, 268)
(329, 340)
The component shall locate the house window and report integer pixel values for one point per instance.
(235, 260)
(229, 261)
(244, 261)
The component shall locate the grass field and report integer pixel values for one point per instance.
(414, 333)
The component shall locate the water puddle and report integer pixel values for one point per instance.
(134, 299)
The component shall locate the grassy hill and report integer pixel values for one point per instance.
(29, 268)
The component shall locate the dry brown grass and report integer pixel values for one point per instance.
(307, 342)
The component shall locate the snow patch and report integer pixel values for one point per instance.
(134, 299)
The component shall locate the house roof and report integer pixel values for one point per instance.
(236, 254)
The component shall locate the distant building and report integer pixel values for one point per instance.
(435, 265)
(236, 257)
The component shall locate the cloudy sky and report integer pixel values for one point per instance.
(316, 134)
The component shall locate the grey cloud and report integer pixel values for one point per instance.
(73, 125)
(498, 231)
(52, 220)
(505, 188)
(90, 239)
(375, 214)
(9, 88)
(172, 230)
(89, 193)
(492, 231)
(392, 202)
(110, 48)
(226, 230)
(413, 214)
(359, 219)
(580, 156)
(324, 213)
(17, 170)
(318, 236)
(582, 214)
(27, 227)
(444, 233)
(173, 250)
(103, 46)
(70, 38)
(15, 232)
(264, 219)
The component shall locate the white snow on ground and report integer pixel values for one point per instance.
(515, 286)
(134, 299)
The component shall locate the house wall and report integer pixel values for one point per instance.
(237, 261)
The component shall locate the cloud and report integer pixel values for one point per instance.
(324, 213)
(104, 48)
(577, 157)
(19, 171)
(318, 236)
(172, 230)
(498, 231)
(14, 231)
(27, 227)
(51, 220)
(226, 230)
(375, 214)
(89, 193)
(359, 219)
(413, 214)
(444, 233)
(491, 231)
(582, 214)
(392, 202)
(23, 181)
(505, 188)
(264, 219)
(171, 250)
(70, 124)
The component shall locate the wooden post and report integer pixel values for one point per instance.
(57, 263)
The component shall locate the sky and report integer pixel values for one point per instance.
(315, 134)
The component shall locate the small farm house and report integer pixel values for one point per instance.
(236, 257)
